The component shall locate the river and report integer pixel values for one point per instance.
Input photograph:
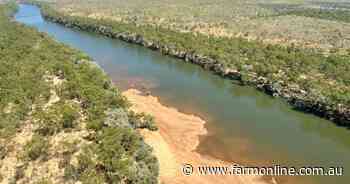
(244, 125)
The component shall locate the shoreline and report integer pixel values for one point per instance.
(296, 97)
(176, 141)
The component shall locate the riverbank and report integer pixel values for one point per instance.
(53, 126)
(176, 141)
(308, 81)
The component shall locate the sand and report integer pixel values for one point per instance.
(176, 141)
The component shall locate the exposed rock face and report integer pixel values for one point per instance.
(294, 95)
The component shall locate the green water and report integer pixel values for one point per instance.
(244, 125)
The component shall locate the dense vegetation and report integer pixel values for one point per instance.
(86, 98)
(336, 15)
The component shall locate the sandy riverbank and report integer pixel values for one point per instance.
(176, 141)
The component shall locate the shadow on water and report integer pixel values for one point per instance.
(244, 125)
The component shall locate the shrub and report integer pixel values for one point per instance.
(142, 120)
(69, 115)
(93, 177)
(43, 181)
(3, 151)
(117, 118)
(36, 148)
(70, 173)
(58, 117)
(8, 125)
(118, 155)
(19, 173)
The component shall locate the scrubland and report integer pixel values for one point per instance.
(61, 119)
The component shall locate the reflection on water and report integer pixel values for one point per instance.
(244, 125)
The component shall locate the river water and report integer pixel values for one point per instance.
(244, 125)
